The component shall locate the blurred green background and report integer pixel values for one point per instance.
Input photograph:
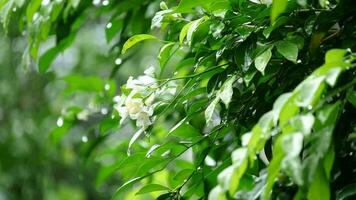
(42, 154)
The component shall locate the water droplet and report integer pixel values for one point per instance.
(299, 61)
(96, 2)
(60, 122)
(118, 61)
(35, 16)
(104, 111)
(254, 112)
(84, 138)
(310, 107)
(107, 87)
(109, 25)
(240, 80)
(45, 2)
(14, 9)
(105, 3)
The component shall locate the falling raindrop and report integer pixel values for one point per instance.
(107, 87)
(60, 122)
(118, 61)
(96, 2)
(105, 3)
(109, 25)
(84, 138)
(104, 111)
(45, 2)
(310, 107)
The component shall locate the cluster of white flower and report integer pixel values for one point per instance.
(138, 104)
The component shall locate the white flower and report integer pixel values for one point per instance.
(123, 112)
(143, 120)
(150, 99)
(150, 71)
(134, 106)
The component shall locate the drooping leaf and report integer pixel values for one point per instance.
(152, 188)
(164, 54)
(136, 39)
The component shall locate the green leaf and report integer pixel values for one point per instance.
(278, 7)
(136, 39)
(126, 186)
(310, 91)
(288, 50)
(183, 32)
(152, 188)
(32, 9)
(183, 175)
(273, 168)
(47, 58)
(165, 54)
(279, 22)
(188, 5)
(292, 145)
(226, 90)
(346, 192)
(262, 60)
(319, 188)
(210, 109)
(134, 138)
(193, 27)
(186, 131)
(351, 97)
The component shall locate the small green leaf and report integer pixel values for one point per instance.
(134, 138)
(210, 109)
(152, 188)
(32, 9)
(193, 27)
(351, 97)
(188, 5)
(183, 32)
(164, 54)
(288, 50)
(136, 39)
(186, 131)
(47, 58)
(127, 185)
(262, 60)
(226, 90)
(278, 7)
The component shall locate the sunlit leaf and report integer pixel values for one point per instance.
(136, 39)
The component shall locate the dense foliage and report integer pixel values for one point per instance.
(245, 100)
